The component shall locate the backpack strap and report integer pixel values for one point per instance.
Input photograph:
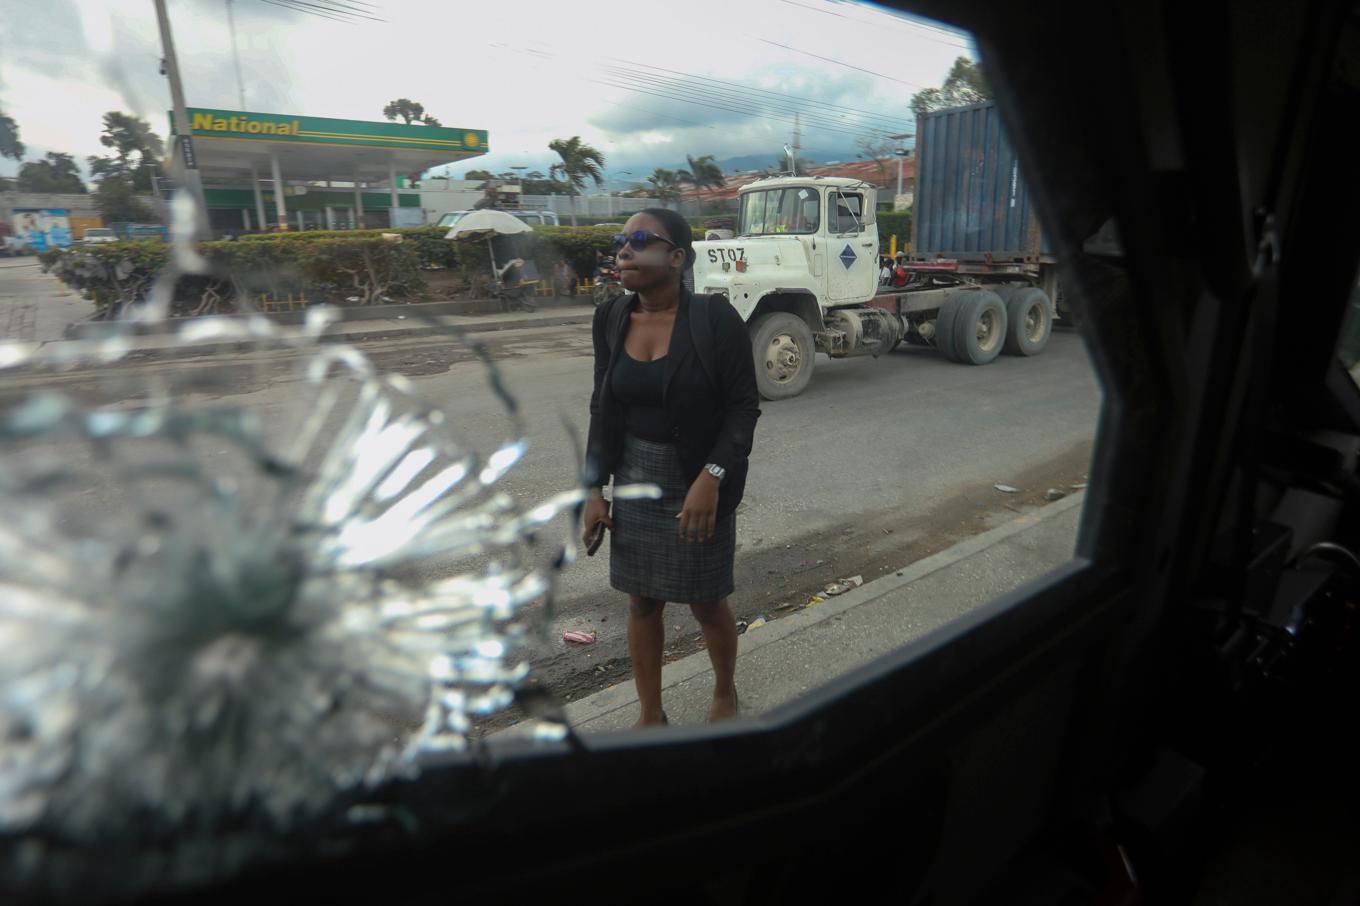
(701, 334)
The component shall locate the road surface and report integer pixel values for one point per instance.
(879, 463)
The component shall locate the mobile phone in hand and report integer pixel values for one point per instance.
(596, 540)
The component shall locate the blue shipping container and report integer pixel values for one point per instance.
(970, 199)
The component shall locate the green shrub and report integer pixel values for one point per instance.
(328, 269)
(325, 265)
(577, 244)
(372, 270)
(894, 223)
(111, 273)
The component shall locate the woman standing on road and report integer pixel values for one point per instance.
(674, 404)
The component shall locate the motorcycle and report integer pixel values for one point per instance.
(608, 284)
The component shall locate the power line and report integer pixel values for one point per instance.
(897, 19)
(336, 10)
(846, 65)
(839, 108)
(687, 95)
(849, 131)
(906, 19)
(677, 119)
(746, 111)
(815, 118)
(743, 95)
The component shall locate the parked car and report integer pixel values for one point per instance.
(545, 218)
(14, 246)
(98, 236)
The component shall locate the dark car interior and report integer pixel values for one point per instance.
(1166, 719)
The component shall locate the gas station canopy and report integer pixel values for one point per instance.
(236, 150)
(310, 147)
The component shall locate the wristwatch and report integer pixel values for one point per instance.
(716, 471)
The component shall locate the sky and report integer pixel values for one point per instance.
(647, 85)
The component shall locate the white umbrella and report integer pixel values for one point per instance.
(486, 224)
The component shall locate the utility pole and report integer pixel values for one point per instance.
(236, 55)
(797, 142)
(191, 180)
(901, 154)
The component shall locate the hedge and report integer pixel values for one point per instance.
(325, 265)
(367, 269)
(892, 223)
(331, 266)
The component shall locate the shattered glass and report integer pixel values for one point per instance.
(215, 616)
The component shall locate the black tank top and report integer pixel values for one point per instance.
(639, 386)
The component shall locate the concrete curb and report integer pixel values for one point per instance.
(623, 695)
(358, 333)
(562, 320)
(477, 308)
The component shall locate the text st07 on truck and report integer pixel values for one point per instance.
(803, 272)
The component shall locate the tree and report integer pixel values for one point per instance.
(579, 163)
(410, 111)
(665, 185)
(56, 172)
(538, 183)
(964, 85)
(10, 146)
(117, 202)
(878, 150)
(703, 173)
(128, 136)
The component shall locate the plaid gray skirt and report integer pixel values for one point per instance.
(646, 555)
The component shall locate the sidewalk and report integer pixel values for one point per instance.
(782, 660)
(35, 307)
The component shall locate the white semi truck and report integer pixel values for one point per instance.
(803, 271)
(803, 268)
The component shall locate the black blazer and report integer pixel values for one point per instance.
(708, 423)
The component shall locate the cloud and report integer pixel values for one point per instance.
(526, 85)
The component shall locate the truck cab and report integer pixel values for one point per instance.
(803, 257)
(802, 270)
(810, 236)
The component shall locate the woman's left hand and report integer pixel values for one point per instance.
(699, 515)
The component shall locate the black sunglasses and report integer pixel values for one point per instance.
(638, 239)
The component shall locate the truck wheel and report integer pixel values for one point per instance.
(782, 346)
(979, 327)
(1030, 316)
(944, 329)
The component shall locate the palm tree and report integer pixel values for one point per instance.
(579, 163)
(703, 173)
(665, 185)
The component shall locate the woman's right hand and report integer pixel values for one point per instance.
(597, 511)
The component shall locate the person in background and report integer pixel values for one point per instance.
(900, 274)
(564, 278)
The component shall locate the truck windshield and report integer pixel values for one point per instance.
(449, 220)
(792, 210)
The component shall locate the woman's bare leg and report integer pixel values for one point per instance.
(720, 635)
(646, 638)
